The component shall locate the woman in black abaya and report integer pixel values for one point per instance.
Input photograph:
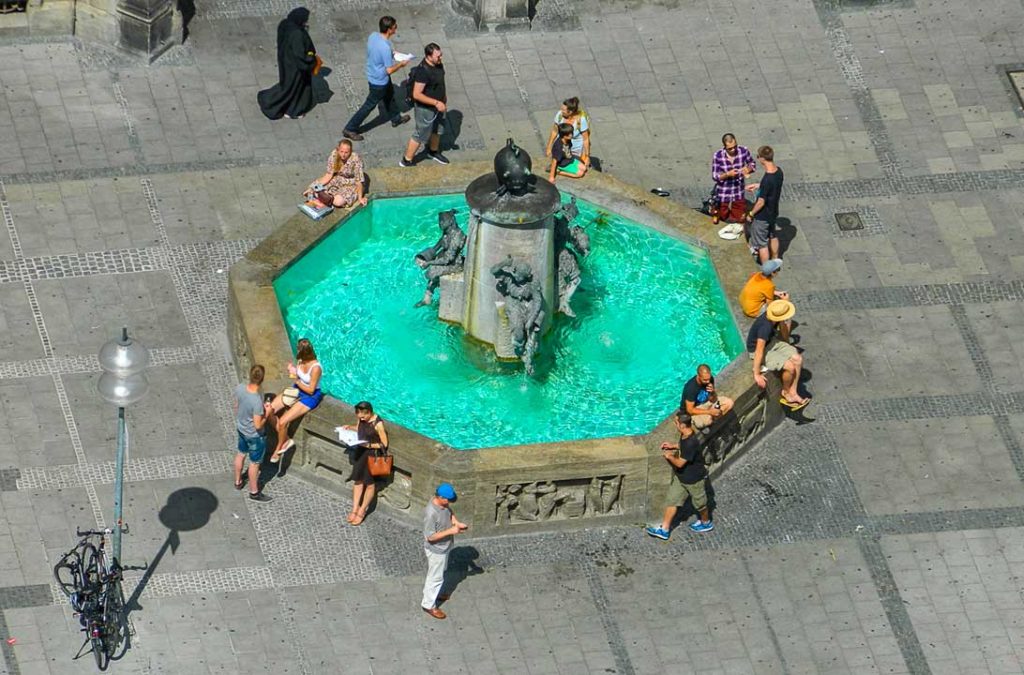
(292, 96)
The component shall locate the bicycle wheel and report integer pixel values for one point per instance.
(99, 652)
(92, 567)
(67, 573)
(115, 627)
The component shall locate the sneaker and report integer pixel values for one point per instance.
(259, 497)
(657, 533)
(401, 120)
(438, 157)
(700, 526)
(352, 135)
(404, 162)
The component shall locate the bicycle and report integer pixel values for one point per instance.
(93, 586)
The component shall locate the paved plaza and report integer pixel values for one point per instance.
(885, 537)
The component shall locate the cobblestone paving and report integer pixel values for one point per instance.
(880, 538)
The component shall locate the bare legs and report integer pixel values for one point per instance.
(282, 422)
(362, 497)
(254, 472)
(791, 377)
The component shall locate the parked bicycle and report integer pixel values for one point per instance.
(93, 585)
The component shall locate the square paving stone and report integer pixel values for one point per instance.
(83, 314)
(176, 417)
(94, 215)
(31, 417)
(881, 353)
(931, 465)
(928, 569)
(19, 338)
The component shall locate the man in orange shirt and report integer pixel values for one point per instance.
(760, 289)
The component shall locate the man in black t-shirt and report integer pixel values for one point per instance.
(430, 103)
(700, 400)
(769, 349)
(687, 482)
(761, 218)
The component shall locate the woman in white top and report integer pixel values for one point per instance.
(572, 114)
(306, 375)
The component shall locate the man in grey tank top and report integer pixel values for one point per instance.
(439, 529)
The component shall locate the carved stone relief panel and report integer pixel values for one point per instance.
(541, 501)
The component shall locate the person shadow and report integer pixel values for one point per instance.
(787, 233)
(461, 564)
(321, 89)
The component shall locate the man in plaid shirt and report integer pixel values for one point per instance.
(729, 167)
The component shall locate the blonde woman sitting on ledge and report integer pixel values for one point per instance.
(342, 185)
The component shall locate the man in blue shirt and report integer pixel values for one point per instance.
(380, 64)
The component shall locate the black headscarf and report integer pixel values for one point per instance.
(298, 16)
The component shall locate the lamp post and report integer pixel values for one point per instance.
(122, 383)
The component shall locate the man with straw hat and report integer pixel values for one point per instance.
(769, 348)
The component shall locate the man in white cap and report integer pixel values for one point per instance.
(439, 529)
(759, 290)
(769, 348)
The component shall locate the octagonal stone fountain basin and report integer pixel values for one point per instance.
(575, 445)
(649, 307)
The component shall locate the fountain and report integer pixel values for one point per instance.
(542, 385)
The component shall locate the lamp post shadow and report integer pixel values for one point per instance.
(186, 510)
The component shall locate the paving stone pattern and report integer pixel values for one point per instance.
(878, 534)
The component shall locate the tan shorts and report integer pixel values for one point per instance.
(778, 353)
(678, 491)
(704, 421)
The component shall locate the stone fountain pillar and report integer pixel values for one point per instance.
(511, 215)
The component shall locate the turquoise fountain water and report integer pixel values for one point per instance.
(650, 309)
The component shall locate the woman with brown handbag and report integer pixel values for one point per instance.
(370, 429)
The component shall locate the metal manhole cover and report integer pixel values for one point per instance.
(849, 221)
(1017, 80)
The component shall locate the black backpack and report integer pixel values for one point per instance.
(410, 83)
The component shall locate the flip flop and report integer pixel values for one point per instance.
(288, 445)
(794, 406)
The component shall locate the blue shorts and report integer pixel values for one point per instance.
(254, 447)
(310, 400)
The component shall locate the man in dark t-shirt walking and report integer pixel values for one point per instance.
(687, 482)
(764, 237)
(430, 103)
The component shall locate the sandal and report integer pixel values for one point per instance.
(360, 516)
(794, 405)
(351, 516)
(239, 484)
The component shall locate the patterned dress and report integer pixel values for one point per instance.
(347, 179)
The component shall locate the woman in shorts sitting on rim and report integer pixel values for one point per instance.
(306, 374)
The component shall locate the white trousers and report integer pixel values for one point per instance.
(436, 564)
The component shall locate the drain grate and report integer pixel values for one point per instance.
(849, 221)
(1017, 81)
